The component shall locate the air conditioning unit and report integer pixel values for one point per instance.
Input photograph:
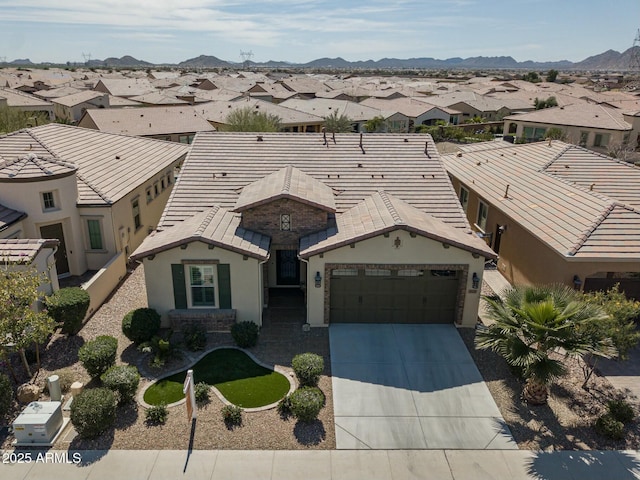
(39, 422)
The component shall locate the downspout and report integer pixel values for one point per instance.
(306, 292)
(260, 275)
(53, 252)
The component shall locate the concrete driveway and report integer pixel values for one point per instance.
(410, 386)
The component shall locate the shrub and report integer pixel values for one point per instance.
(609, 427)
(201, 390)
(194, 336)
(93, 411)
(6, 394)
(232, 415)
(306, 403)
(141, 325)
(157, 414)
(122, 379)
(98, 355)
(68, 307)
(621, 411)
(245, 334)
(308, 367)
(284, 406)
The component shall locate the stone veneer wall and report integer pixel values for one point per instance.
(213, 320)
(265, 219)
(462, 290)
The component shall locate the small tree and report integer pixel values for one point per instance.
(376, 124)
(337, 123)
(555, 133)
(248, 119)
(552, 75)
(20, 322)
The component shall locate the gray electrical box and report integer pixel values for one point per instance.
(39, 422)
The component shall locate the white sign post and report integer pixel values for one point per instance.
(190, 395)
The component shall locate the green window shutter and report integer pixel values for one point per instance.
(224, 285)
(179, 287)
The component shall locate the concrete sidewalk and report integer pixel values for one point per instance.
(329, 464)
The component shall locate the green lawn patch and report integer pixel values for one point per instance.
(240, 380)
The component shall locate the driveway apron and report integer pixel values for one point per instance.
(400, 386)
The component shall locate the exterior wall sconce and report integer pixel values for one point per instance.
(445, 245)
(577, 283)
(318, 279)
(475, 280)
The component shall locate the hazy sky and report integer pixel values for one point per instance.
(302, 30)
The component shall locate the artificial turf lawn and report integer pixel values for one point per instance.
(241, 380)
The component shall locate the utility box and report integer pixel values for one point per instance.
(39, 422)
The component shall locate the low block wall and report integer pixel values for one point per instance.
(104, 281)
(212, 320)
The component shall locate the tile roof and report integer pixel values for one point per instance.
(288, 182)
(215, 226)
(323, 107)
(217, 112)
(382, 213)
(125, 87)
(16, 98)
(9, 216)
(23, 250)
(580, 114)
(406, 106)
(221, 164)
(569, 217)
(56, 92)
(158, 98)
(78, 98)
(109, 165)
(145, 121)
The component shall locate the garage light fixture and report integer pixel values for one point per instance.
(318, 279)
(475, 280)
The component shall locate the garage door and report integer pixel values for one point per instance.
(360, 295)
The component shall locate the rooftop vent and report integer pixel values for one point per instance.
(260, 139)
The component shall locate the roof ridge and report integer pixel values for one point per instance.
(592, 228)
(98, 192)
(286, 187)
(32, 134)
(608, 112)
(556, 158)
(207, 220)
(397, 219)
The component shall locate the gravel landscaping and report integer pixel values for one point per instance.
(565, 423)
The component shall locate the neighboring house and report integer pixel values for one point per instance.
(72, 107)
(38, 253)
(471, 105)
(358, 113)
(98, 193)
(586, 124)
(416, 111)
(175, 124)
(25, 102)
(11, 222)
(124, 87)
(270, 92)
(304, 86)
(154, 99)
(290, 120)
(367, 229)
(552, 211)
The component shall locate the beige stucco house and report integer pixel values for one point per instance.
(70, 108)
(363, 228)
(553, 212)
(98, 194)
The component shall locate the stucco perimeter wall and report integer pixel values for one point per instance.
(246, 280)
(104, 281)
(382, 251)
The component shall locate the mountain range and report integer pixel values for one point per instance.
(609, 60)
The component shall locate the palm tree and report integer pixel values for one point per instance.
(337, 123)
(531, 322)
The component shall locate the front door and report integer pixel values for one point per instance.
(55, 231)
(287, 267)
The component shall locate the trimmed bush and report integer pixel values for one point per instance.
(284, 406)
(141, 325)
(232, 415)
(621, 411)
(93, 411)
(67, 307)
(123, 380)
(98, 355)
(201, 391)
(6, 394)
(609, 427)
(245, 334)
(194, 336)
(306, 403)
(157, 415)
(308, 367)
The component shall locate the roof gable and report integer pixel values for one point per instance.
(288, 182)
(381, 213)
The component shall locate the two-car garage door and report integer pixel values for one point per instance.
(379, 295)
